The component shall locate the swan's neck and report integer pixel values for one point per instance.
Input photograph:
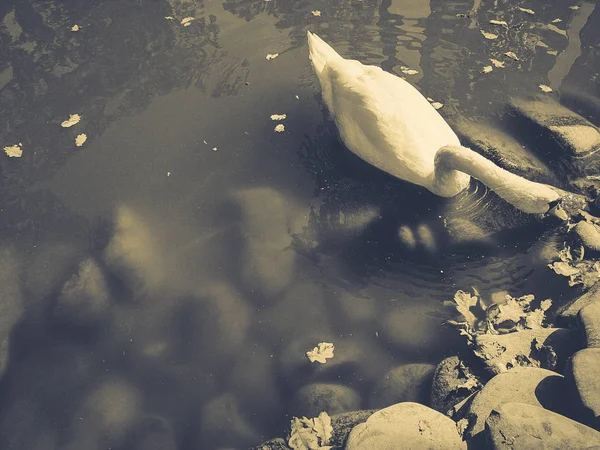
(525, 195)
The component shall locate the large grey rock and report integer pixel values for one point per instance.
(502, 148)
(521, 426)
(11, 302)
(406, 383)
(533, 386)
(505, 351)
(312, 399)
(589, 318)
(567, 314)
(584, 373)
(84, 298)
(268, 261)
(450, 384)
(405, 425)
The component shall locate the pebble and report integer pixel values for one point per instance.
(521, 426)
(589, 317)
(502, 352)
(406, 383)
(448, 385)
(584, 373)
(533, 386)
(84, 299)
(312, 399)
(589, 235)
(405, 425)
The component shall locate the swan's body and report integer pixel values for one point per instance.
(388, 123)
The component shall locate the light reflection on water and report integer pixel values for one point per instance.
(190, 341)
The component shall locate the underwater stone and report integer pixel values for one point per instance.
(84, 298)
(533, 386)
(521, 426)
(11, 302)
(152, 433)
(405, 425)
(448, 385)
(406, 383)
(315, 398)
(584, 373)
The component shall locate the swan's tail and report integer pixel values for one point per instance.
(320, 52)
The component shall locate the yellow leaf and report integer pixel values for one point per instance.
(525, 10)
(72, 120)
(14, 151)
(80, 140)
(321, 352)
(489, 35)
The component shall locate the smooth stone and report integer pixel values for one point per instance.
(589, 235)
(521, 426)
(503, 149)
(222, 424)
(407, 383)
(568, 313)
(312, 399)
(405, 425)
(268, 264)
(447, 385)
(584, 373)
(575, 134)
(152, 433)
(11, 302)
(84, 298)
(533, 386)
(499, 353)
(589, 318)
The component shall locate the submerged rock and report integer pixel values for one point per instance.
(405, 425)
(500, 353)
(521, 426)
(84, 298)
(589, 235)
(11, 302)
(589, 318)
(315, 398)
(533, 386)
(451, 384)
(406, 383)
(152, 433)
(584, 371)
(568, 313)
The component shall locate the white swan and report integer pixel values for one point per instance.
(385, 121)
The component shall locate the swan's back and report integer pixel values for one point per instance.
(381, 117)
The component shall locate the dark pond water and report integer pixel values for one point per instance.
(212, 251)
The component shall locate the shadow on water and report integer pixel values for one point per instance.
(211, 252)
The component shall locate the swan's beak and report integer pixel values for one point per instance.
(555, 209)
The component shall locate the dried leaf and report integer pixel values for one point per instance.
(496, 63)
(489, 35)
(462, 425)
(14, 151)
(271, 56)
(316, 13)
(512, 55)
(72, 120)
(574, 7)
(187, 21)
(552, 52)
(169, 17)
(80, 140)
(310, 434)
(487, 69)
(75, 28)
(321, 352)
(525, 10)
(437, 105)
(408, 70)
(323, 428)
(545, 88)
(278, 116)
(280, 128)
(556, 29)
(557, 21)
(464, 302)
(498, 22)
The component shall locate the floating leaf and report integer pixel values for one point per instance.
(498, 64)
(408, 70)
(214, 149)
(525, 10)
(271, 56)
(187, 21)
(556, 29)
(310, 434)
(75, 28)
(489, 35)
(487, 69)
(323, 428)
(72, 120)
(316, 13)
(545, 88)
(169, 17)
(464, 302)
(499, 22)
(280, 128)
(14, 151)
(512, 55)
(574, 7)
(278, 116)
(557, 21)
(437, 105)
(552, 52)
(80, 140)
(321, 352)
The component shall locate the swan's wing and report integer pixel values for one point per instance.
(386, 121)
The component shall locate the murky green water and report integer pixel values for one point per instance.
(186, 181)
